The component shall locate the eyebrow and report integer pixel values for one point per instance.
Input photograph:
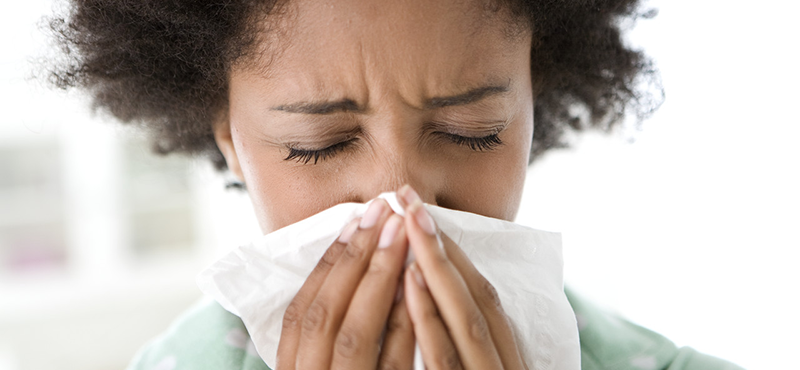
(468, 97)
(348, 105)
(325, 107)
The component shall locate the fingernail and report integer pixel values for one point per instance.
(374, 211)
(418, 276)
(409, 195)
(389, 231)
(348, 232)
(422, 217)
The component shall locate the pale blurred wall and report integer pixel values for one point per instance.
(690, 231)
(693, 230)
(99, 240)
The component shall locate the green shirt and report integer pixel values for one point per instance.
(611, 342)
(208, 337)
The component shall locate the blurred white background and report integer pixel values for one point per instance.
(691, 230)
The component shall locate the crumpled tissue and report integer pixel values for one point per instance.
(257, 281)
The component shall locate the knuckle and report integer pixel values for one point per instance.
(450, 360)
(398, 323)
(490, 298)
(316, 318)
(348, 343)
(328, 259)
(293, 316)
(430, 314)
(355, 251)
(479, 329)
(376, 268)
(440, 259)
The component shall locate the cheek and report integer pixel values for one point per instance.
(281, 192)
(517, 167)
(491, 184)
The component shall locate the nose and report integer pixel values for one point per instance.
(395, 166)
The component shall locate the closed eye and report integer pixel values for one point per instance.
(307, 155)
(478, 144)
(314, 156)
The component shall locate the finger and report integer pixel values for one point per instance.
(400, 199)
(358, 341)
(488, 302)
(463, 318)
(438, 350)
(293, 317)
(326, 311)
(397, 351)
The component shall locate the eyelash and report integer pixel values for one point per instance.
(304, 155)
(478, 144)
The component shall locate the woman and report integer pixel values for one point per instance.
(312, 104)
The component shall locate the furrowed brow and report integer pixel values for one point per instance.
(322, 107)
(348, 105)
(468, 97)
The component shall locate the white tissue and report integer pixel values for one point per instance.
(257, 281)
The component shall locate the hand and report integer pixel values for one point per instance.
(456, 314)
(336, 319)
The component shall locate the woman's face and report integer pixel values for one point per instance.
(353, 98)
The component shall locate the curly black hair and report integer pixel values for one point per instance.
(163, 64)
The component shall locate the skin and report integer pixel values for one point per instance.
(397, 88)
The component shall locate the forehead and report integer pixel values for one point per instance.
(416, 47)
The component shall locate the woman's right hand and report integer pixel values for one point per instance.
(337, 318)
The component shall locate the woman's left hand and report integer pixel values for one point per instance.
(456, 313)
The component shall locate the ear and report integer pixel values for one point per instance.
(224, 139)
